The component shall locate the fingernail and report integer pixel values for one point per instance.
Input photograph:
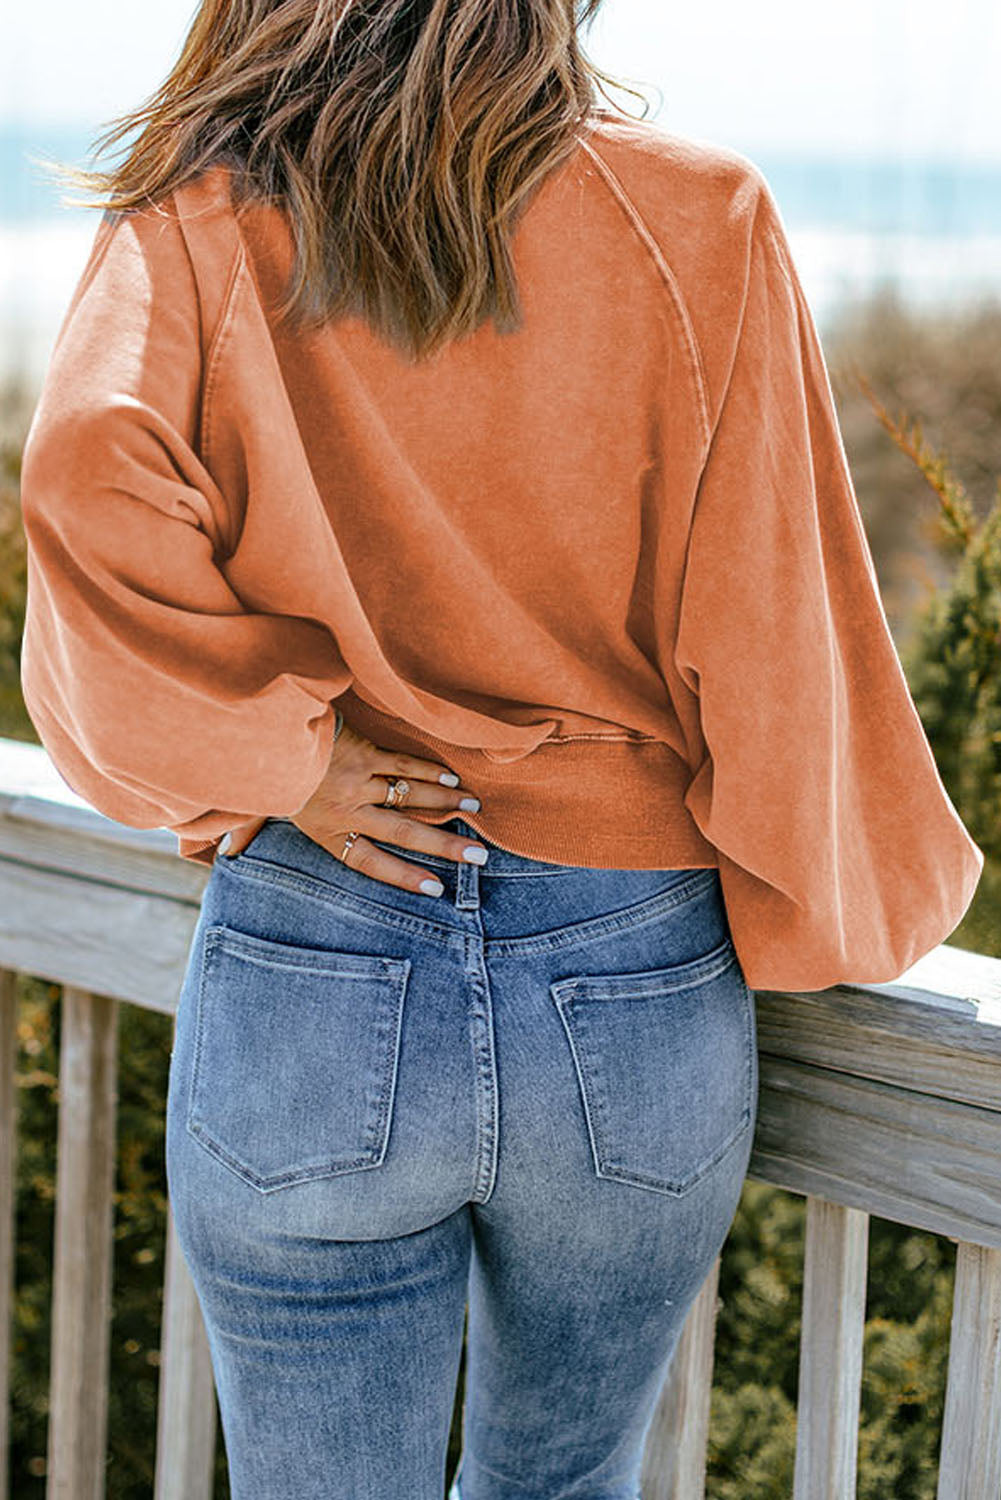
(448, 778)
(470, 804)
(475, 855)
(432, 887)
(225, 842)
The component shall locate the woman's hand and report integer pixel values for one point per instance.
(351, 797)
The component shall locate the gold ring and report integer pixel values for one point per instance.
(396, 792)
(349, 844)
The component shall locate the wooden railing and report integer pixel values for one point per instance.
(882, 1099)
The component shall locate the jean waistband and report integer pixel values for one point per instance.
(590, 898)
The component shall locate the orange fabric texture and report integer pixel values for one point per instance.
(610, 568)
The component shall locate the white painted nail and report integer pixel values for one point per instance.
(448, 778)
(225, 842)
(474, 855)
(432, 887)
(470, 804)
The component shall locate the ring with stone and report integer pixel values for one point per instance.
(396, 792)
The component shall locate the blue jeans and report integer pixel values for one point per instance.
(531, 1098)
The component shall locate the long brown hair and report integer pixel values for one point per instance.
(402, 136)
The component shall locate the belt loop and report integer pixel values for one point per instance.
(467, 886)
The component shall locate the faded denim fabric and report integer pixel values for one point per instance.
(535, 1094)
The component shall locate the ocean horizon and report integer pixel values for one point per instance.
(928, 229)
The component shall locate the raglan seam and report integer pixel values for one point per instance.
(760, 200)
(214, 351)
(691, 344)
(210, 338)
(768, 232)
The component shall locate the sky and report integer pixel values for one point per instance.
(891, 78)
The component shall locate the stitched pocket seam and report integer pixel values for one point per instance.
(393, 973)
(589, 989)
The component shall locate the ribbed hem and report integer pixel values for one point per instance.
(596, 802)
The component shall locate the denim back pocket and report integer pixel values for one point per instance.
(667, 1064)
(295, 1057)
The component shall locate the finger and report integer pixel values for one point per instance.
(422, 794)
(368, 859)
(396, 763)
(394, 827)
(232, 843)
(236, 839)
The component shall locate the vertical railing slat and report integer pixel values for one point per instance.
(186, 1411)
(8, 1124)
(830, 1365)
(970, 1462)
(82, 1262)
(674, 1459)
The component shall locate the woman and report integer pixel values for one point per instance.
(437, 492)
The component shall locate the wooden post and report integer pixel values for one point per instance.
(830, 1359)
(970, 1461)
(81, 1278)
(186, 1409)
(674, 1460)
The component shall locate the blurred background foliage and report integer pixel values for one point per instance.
(919, 398)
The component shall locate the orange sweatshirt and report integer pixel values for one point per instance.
(610, 568)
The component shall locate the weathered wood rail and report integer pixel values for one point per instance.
(881, 1099)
